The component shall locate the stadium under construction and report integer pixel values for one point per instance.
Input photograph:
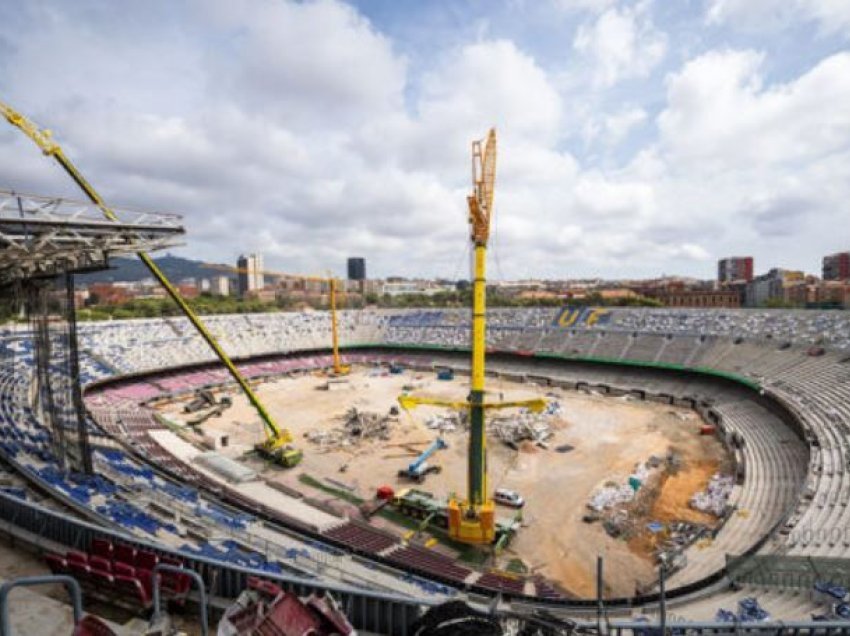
(575, 469)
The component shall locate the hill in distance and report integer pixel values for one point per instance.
(129, 270)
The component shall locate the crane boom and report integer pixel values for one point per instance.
(277, 438)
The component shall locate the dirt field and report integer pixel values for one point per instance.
(609, 435)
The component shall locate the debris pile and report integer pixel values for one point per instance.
(613, 494)
(447, 423)
(357, 425)
(715, 497)
(526, 426)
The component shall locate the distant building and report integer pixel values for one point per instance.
(778, 285)
(250, 274)
(220, 286)
(834, 293)
(108, 294)
(356, 268)
(424, 287)
(709, 298)
(735, 268)
(836, 266)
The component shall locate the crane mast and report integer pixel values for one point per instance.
(473, 519)
(278, 440)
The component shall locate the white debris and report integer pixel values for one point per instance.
(610, 496)
(715, 497)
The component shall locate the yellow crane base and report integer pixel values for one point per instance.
(472, 524)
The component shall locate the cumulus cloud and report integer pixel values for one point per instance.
(719, 111)
(612, 128)
(831, 16)
(301, 129)
(621, 43)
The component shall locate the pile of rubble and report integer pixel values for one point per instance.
(448, 423)
(526, 426)
(715, 498)
(357, 426)
(612, 494)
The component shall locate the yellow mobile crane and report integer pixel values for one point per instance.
(278, 441)
(338, 368)
(472, 520)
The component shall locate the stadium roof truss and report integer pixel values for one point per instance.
(44, 236)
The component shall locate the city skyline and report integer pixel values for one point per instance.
(636, 138)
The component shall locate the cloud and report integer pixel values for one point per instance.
(781, 215)
(621, 44)
(720, 113)
(318, 63)
(831, 16)
(301, 130)
(613, 128)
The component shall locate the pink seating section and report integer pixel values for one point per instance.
(116, 567)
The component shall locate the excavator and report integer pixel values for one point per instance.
(472, 520)
(338, 368)
(278, 444)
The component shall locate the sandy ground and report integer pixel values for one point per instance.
(610, 436)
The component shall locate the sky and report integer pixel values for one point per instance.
(636, 138)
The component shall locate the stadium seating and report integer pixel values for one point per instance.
(797, 489)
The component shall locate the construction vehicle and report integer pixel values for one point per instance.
(278, 441)
(434, 512)
(338, 368)
(419, 467)
(204, 398)
(446, 374)
(472, 520)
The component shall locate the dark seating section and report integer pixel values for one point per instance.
(116, 567)
(502, 583)
(429, 561)
(362, 537)
(544, 589)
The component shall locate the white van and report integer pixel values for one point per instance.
(508, 498)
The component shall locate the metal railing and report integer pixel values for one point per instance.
(70, 584)
(367, 610)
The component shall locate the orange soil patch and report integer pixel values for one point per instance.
(677, 490)
(671, 504)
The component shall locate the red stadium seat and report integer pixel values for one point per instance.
(74, 556)
(92, 626)
(123, 569)
(56, 563)
(103, 580)
(145, 577)
(102, 548)
(79, 571)
(124, 553)
(145, 560)
(133, 590)
(100, 563)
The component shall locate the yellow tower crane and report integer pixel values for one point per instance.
(278, 440)
(472, 520)
(330, 281)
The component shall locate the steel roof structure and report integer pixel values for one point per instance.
(44, 236)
